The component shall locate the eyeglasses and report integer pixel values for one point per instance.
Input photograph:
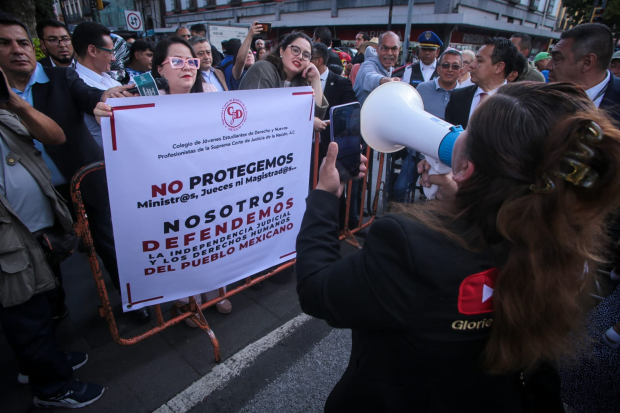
(386, 49)
(179, 62)
(297, 51)
(54, 41)
(446, 66)
(105, 50)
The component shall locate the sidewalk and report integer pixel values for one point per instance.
(144, 376)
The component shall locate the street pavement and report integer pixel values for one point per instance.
(274, 358)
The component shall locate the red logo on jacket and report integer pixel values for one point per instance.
(476, 293)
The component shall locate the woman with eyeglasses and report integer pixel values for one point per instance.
(175, 60)
(288, 66)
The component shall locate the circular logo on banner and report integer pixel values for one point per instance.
(234, 114)
(133, 21)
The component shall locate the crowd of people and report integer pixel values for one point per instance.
(534, 184)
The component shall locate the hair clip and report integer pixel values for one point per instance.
(547, 189)
(581, 175)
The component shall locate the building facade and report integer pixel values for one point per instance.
(460, 23)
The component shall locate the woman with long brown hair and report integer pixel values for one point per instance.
(455, 304)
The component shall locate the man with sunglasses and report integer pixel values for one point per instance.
(436, 93)
(426, 68)
(55, 42)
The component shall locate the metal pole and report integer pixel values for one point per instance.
(403, 60)
(64, 15)
(390, 15)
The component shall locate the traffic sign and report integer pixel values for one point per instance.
(134, 20)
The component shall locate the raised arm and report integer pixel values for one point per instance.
(41, 127)
(237, 69)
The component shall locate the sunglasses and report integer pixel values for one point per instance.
(446, 66)
(179, 62)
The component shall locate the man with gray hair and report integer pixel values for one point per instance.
(468, 59)
(436, 92)
(211, 75)
(582, 56)
(377, 67)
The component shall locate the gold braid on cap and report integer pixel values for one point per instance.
(573, 168)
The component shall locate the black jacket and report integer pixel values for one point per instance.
(47, 62)
(65, 99)
(400, 297)
(611, 99)
(459, 106)
(338, 91)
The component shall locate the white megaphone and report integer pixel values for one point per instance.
(393, 117)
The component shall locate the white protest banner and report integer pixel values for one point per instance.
(205, 188)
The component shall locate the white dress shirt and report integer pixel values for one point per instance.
(99, 81)
(465, 83)
(476, 101)
(210, 77)
(596, 93)
(324, 79)
(427, 71)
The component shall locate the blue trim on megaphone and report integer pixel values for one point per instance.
(445, 148)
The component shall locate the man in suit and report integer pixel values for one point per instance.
(494, 62)
(336, 89)
(426, 68)
(56, 44)
(323, 35)
(60, 94)
(211, 75)
(582, 56)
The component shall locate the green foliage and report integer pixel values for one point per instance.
(581, 12)
(37, 49)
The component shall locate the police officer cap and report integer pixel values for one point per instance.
(429, 40)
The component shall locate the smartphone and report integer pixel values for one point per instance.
(266, 26)
(345, 131)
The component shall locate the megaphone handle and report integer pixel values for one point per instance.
(436, 169)
(432, 191)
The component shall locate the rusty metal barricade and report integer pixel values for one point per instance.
(193, 310)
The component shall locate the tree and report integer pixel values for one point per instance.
(44, 10)
(581, 10)
(24, 10)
